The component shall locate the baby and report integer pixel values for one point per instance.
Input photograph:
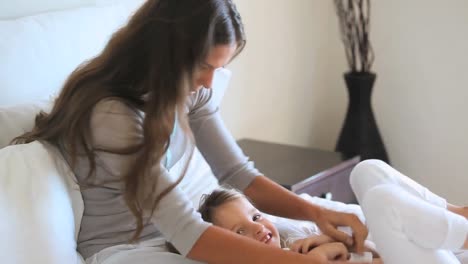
(231, 210)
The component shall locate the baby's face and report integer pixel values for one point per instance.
(242, 217)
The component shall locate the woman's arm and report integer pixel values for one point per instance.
(175, 216)
(274, 199)
(220, 246)
(231, 166)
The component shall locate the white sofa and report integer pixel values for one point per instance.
(40, 202)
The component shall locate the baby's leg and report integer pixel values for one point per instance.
(407, 229)
(371, 173)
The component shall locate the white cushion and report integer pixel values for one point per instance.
(39, 52)
(40, 202)
(40, 206)
(18, 119)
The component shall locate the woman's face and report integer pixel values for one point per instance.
(242, 217)
(217, 58)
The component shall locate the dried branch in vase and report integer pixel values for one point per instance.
(354, 17)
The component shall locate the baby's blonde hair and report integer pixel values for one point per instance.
(210, 202)
(220, 196)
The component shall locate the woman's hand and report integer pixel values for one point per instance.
(369, 246)
(329, 251)
(328, 220)
(306, 244)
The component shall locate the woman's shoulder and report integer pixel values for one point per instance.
(115, 106)
(204, 101)
(114, 121)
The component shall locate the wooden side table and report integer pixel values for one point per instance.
(303, 170)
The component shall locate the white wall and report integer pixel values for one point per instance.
(16, 8)
(422, 91)
(284, 88)
(287, 85)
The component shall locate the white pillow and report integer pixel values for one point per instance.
(18, 119)
(39, 52)
(40, 206)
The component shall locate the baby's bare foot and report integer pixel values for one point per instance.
(463, 211)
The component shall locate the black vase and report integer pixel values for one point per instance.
(360, 135)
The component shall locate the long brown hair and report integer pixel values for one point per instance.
(149, 64)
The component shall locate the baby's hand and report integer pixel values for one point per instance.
(369, 247)
(331, 251)
(307, 244)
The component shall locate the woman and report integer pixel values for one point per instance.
(124, 121)
(408, 223)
